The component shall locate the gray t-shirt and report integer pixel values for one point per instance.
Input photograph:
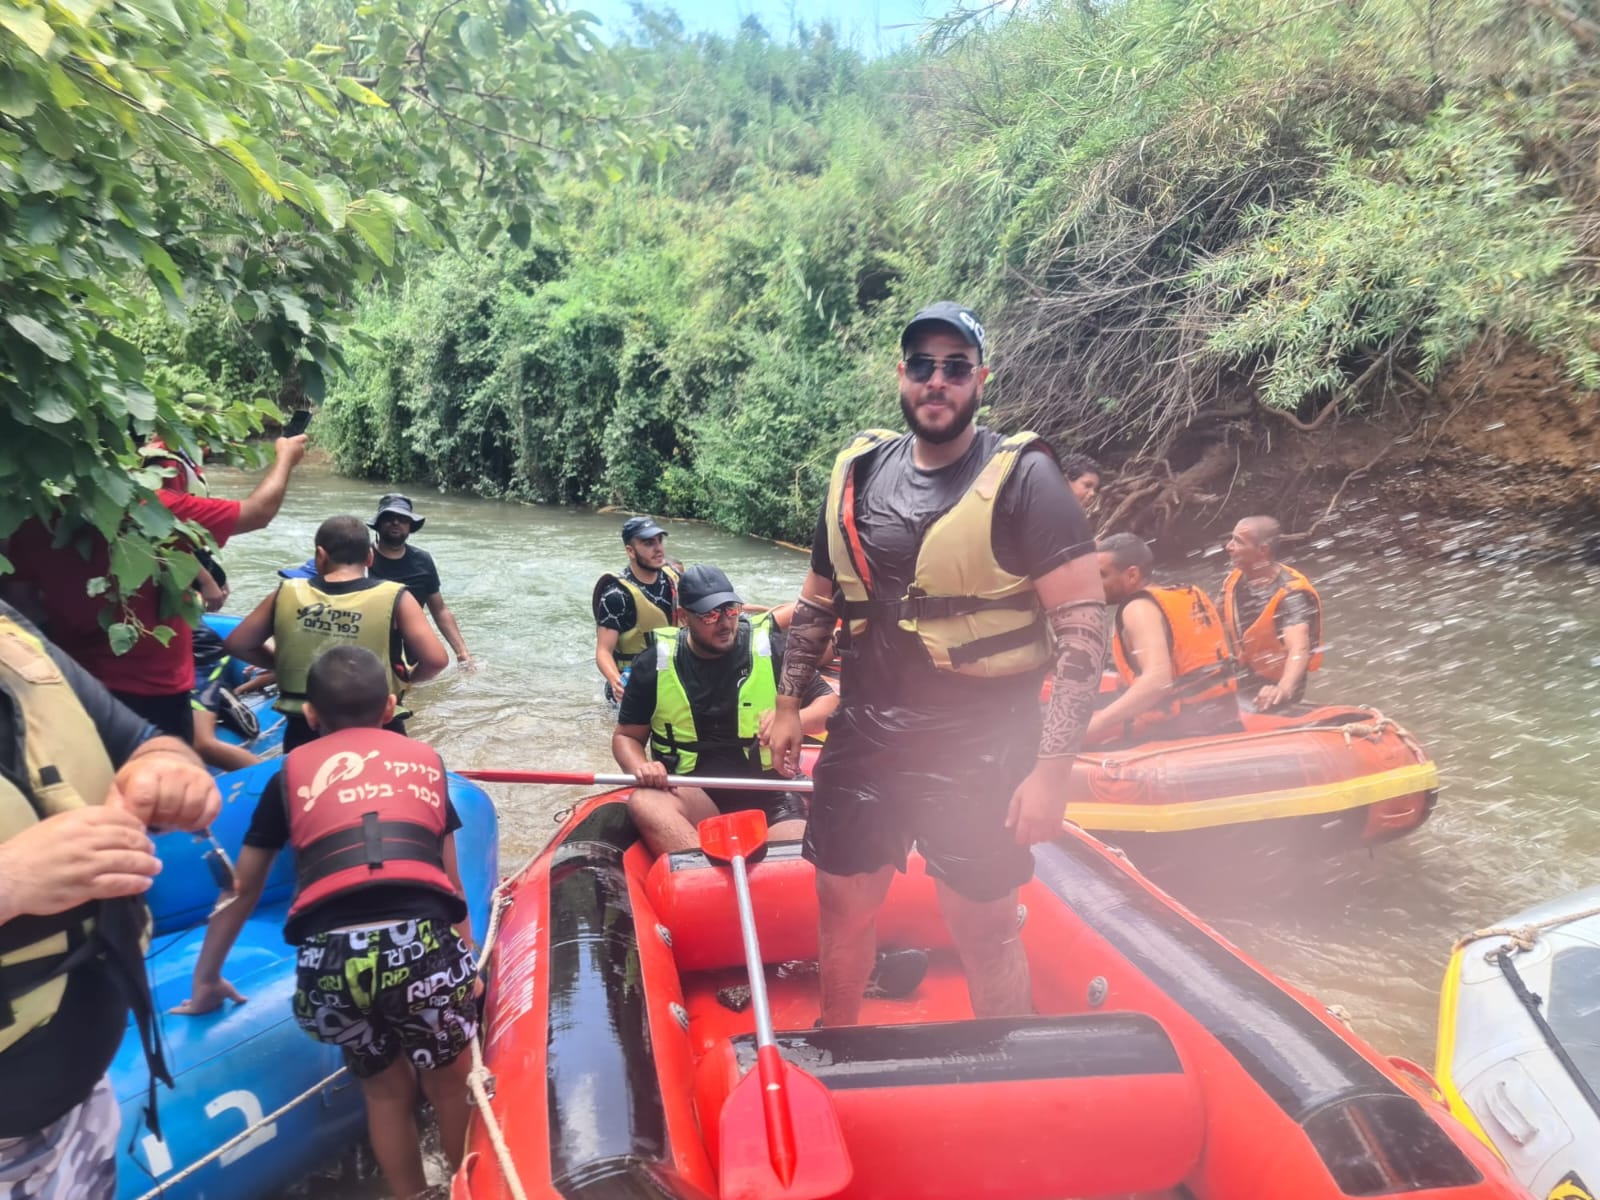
(1038, 526)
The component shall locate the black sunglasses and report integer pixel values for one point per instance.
(920, 368)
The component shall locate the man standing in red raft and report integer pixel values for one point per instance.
(963, 569)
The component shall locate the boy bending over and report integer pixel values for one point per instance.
(386, 969)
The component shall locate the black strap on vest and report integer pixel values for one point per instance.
(998, 643)
(934, 608)
(370, 844)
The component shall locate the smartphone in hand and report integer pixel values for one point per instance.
(297, 423)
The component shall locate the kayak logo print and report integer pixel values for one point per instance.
(318, 617)
(342, 767)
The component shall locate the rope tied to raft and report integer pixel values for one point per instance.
(1523, 938)
(1371, 730)
(480, 1082)
(248, 1132)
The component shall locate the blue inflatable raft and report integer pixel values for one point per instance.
(236, 1066)
(269, 742)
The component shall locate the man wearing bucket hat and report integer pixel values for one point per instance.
(630, 607)
(412, 568)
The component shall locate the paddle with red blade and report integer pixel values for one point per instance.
(590, 779)
(780, 1136)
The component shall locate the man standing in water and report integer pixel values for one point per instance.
(963, 567)
(630, 607)
(1271, 614)
(412, 568)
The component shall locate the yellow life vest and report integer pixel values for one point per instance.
(306, 621)
(648, 616)
(972, 616)
(1259, 647)
(673, 733)
(64, 767)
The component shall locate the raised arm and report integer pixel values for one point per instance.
(258, 508)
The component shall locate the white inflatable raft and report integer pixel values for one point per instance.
(1519, 1043)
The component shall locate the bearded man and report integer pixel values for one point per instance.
(964, 570)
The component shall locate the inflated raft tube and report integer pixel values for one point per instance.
(235, 1067)
(1161, 1062)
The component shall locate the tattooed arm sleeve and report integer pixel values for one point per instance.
(809, 634)
(1080, 629)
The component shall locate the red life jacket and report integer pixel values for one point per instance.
(366, 807)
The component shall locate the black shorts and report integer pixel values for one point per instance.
(878, 792)
(779, 806)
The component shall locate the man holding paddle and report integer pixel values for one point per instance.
(702, 699)
(964, 569)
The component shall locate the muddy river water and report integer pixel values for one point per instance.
(1493, 664)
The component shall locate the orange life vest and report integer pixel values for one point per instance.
(1259, 648)
(366, 806)
(1201, 672)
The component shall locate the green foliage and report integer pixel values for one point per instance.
(159, 154)
(1419, 248)
(1166, 211)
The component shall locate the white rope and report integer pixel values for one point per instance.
(479, 1079)
(249, 1132)
(1370, 729)
(1523, 937)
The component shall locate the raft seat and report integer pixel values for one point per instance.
(695, 902)
(1071, 1106)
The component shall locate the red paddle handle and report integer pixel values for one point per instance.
(780, 1127)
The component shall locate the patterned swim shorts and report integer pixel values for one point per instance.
(74, 1158)
(377, 993)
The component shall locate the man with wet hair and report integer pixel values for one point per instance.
(1272, 616)
(386, 968)
(963, 569)
(413, 568)
(629, 608)
(1168, 650)
(340, 604)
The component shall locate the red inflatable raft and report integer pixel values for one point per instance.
(1349, 774)
(1162, 1064)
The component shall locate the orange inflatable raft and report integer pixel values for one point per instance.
(1353, 774)
(1162, 1064)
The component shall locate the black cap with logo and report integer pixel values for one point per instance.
(959, 319)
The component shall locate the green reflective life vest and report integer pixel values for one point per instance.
(305, 622)
(673, 733)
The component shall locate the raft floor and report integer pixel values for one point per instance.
(795, 1002)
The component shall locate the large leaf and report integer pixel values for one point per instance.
(29, 26)
(46, 339)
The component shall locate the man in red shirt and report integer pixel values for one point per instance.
(52, 582)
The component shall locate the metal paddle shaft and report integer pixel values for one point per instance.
(590, 779)
(805, 1157)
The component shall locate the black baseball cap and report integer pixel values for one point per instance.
(394, 502)
(958, 318)
(640, 527)
(704, 587)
